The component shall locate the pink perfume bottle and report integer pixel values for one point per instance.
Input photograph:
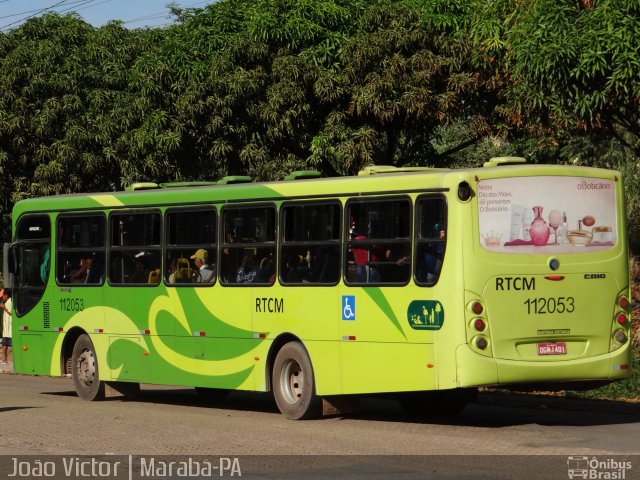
(539, 230)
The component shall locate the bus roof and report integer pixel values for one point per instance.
(386, 181)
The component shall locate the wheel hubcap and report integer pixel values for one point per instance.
(86, 367)
(292, 381)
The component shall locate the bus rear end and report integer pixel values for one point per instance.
(546, 279)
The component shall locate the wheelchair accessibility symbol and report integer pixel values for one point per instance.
(348, 307)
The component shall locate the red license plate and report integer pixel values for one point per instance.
(559, 348)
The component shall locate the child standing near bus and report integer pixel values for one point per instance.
(6, 325)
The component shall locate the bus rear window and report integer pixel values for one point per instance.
(547, 214)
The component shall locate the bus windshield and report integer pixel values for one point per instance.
(546, 214)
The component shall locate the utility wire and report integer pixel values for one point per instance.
(35, 14)
(83, 2)
(39, 9)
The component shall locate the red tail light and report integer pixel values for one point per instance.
(479, 324)
(477, 308)
(555, 278)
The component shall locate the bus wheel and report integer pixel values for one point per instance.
(212, 394)
(294, 384)
(84, 370)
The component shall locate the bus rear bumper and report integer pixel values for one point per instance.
(477, 370)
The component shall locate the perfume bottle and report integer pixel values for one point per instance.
(539, 230)
(564, 228)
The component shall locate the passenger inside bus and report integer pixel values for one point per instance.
(432, 257)
(297, 269)
(325, 265)
(181, 271)
(366, 259)
(204, 273)
(139, 274)
(90, 270)
(248, 269)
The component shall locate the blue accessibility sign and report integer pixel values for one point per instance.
(348, 307)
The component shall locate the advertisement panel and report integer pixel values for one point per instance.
(545, 215)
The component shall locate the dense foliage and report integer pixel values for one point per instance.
(263, 87)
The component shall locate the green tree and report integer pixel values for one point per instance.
(570, 64)
(65, 101)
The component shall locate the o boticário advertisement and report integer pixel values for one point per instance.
(547, 214)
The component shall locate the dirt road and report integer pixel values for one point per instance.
(42, 415)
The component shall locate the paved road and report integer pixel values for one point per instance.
(43, 416)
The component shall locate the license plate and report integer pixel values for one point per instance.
(559, 348)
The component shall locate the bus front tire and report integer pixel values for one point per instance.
(294, 384)
(84, 371)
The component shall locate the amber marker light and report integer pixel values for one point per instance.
(623, 302)
(620, 336)
(25, 348)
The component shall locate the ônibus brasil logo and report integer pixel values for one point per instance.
(597, 469)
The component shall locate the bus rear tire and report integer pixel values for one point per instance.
(294, 383)
(84, 370)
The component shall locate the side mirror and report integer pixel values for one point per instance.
(9, 264)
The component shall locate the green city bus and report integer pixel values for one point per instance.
(411, 282)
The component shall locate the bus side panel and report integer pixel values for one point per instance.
(370, 367)
(200, 337)
(28, 355)
(384, 346)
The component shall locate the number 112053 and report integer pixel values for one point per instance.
(542, 305)
(71, 304)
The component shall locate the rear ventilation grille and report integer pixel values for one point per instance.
(45, 315)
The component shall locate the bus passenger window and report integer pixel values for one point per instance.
(190, 253)
(379, 241)
(135, 248)
(248, 250)
(310, 243)
(431, 239)
(80, 249)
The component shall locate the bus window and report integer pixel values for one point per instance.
(134, 256)
(190, 255)
(431, 239)
(32, 259)
(80, 247)
(379, 243)
(310, 244)
(248, 245)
